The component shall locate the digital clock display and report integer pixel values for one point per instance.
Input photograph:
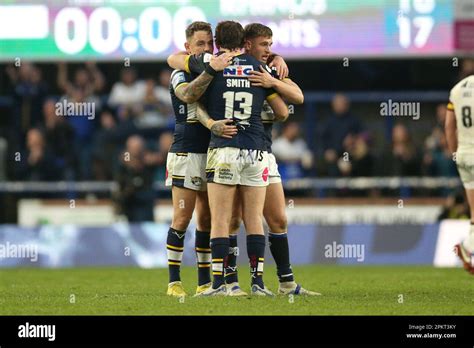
(145, 30)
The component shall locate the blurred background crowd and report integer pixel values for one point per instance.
(133, 112)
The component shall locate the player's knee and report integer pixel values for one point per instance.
(278, 224)
(181, 221)
(204, 223)
(235, 223)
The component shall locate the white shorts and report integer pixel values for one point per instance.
(273, 173)
(186, 169)
(465, 164)
(233, 166)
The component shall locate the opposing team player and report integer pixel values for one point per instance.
(186, 162)
(258, 42)
(460, 136)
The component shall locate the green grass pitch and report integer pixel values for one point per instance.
(346, 290)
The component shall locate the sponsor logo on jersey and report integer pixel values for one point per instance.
(238, 71)
(225, 174)
(238, 61)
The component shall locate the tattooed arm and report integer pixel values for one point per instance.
(219, 128)
(191, 92)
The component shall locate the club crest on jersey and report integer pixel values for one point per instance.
(196, 180)
(238, 71)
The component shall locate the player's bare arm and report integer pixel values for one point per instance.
(221, 128)
(191, 92)
(180, 61)
(451, 131)
(279, 107)
(289, 90)
(279, 63)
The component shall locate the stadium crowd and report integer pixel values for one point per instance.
(83, 148)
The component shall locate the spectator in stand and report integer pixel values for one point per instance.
(128, 91)
(84, 126)
(438, 160)
(162, 91)
(292, 153)
(153, 113)
(402, 157)
(340, 123)
(88, 81)
(356, 160)
(29, 93)
(59, 137)
(433, 139)
(104, 147)
(136, 196)
(37, 164)
(164, 143)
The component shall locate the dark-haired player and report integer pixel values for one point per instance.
(187, 161)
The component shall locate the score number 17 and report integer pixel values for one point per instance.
(422, 21)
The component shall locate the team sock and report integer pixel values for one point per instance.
(203, 256)
(231, 267)
(281, 253)
(174, 248)
(219, 250)
(256, 253)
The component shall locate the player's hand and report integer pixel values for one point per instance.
(220, 62)
(262, 79)
(280, 64)
(222, 129)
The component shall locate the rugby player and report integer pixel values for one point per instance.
(459, 128)
(187, 160)
(258, 42)
(241, 160)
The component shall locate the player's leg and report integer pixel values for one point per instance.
(465, 250)
(253, 199)
(202, 245)
(275, 216)
(222, 178)
(231, 273)
(220, 202)
(183, 205)
(470, 197)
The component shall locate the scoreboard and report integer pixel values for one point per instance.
(152, 29)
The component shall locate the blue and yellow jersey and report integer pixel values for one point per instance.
(231, 96)
(189, 134)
